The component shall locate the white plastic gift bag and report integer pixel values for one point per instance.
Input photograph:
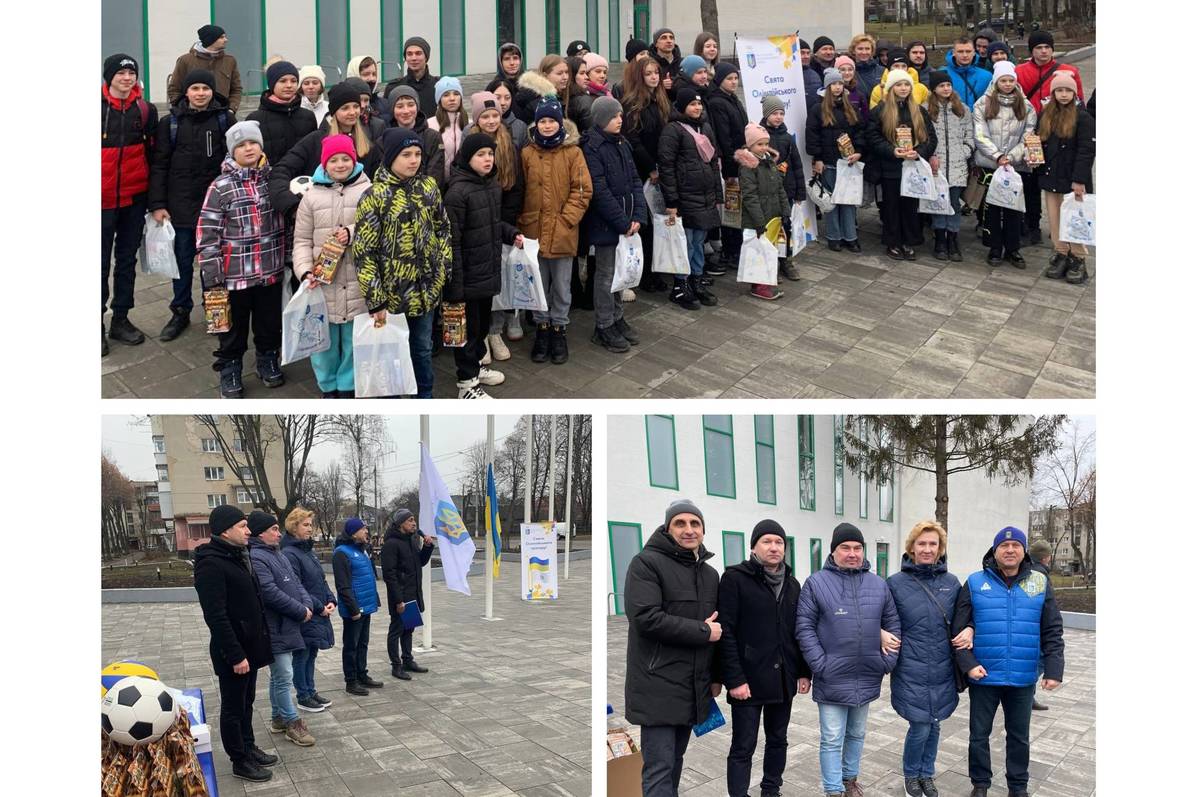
(1077, 220)
(819, 195)
(1006, 189)
(305, 324)
(759, 261)
(654, 198)
(848, 189)
(521, 279)
(499, 299)
(916, 180)
(940, 206)
(382, 362)
(670, 247)
(627, 269)
(158, 249)
(804, 225)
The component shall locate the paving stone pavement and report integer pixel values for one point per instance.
(504, 709)
(1062, 759)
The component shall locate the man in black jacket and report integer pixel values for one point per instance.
(729, 120)
(416, 58)
(403, 557)
(241, 642)
(670, 678)
(761, 663)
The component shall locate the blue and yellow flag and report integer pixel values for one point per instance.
(492, 521)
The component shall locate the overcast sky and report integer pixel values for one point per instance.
(126, 439)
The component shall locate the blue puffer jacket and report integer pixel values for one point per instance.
(970, 82)
(1008, 624)
(923, 682)
(838, 620)
(354, 577)
(317, 632)
(617, 199)
(284, 597)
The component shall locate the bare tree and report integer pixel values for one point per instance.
(473, 481)
(323, 492)
(708, 20)
(116, 497)
(1066, 477)
(363, 439)
(581, 477)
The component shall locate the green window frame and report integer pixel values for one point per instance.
(881, 559)
(251, 55)
(553, 37)
(333, 61)
(615, 54)
(673, 484)
(839, 465)
(815, 560)
(391, 39)
(807, 469)
(864, 484)
(518, 11)
(618, 603)
(726, 536)
(764, 457)
(790, 552)
(453, 52)
(714, 432)
(641, 22)
(592, 13)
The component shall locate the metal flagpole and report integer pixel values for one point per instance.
(427, 575)
(550, 478)
(529, 470)
(567, 502)
(491, 546)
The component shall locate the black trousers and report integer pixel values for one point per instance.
(774, 717)
(1018, 708)
(399, 641)
(237, 714)
(120, 228)
(260, 307)
(663, 747)
(1033, 201)
(901, 224)
(356, 635)
(731, 245)
(479, 321)
(1004, 229)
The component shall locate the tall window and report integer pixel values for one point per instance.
(615, 52)
(881, 559)
(790, 552)
(123, 30)
(863, 485)
(510, 22)
(214, 474)
(216, 500)
(624, 542)
(553, 43)
(764, 457)
(246, 473)
(391, 40)
(239, 445)
(886, 486)
(160, 444)
(162, 473)
(454, 37)
(733, 547)
(333, 36)
(660, 451)
(718, 456)
(245, 496)
(247, 39)
(592, 12)
(839, 456)
(209, 445)
(808, 470)
(815, 560)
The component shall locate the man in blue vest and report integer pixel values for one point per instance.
(358, 599)
(1016, 619)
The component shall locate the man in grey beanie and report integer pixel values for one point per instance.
(416, 58)
(671, 664)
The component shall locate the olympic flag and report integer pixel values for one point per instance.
(439, 513)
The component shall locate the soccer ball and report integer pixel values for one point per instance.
(137, 710)
(123, 669)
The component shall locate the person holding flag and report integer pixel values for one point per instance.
(403, 556)
(492, 520)
(438, 512)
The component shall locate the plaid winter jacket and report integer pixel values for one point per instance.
(402, 244)
(239, 235)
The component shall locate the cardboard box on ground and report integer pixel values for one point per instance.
(623, 752)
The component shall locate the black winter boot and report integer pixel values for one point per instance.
(1057, 268)
(103, 341)
(1077, 272)
(627, 331)
(541, 344)
(952, 247)
(266, 365)
(174, 328)
(248, 770)
(231, 378)
(398, 672)
(681, 294)
(610, 339)
(122, 331)
(558, 345)
(706, 297)
(940, 249)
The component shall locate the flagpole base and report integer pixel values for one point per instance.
(423, 649)
(492, 619)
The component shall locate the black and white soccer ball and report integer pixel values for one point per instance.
(137, 710)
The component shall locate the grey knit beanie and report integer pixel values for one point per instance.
(681, 506)
(604, 110)
(770, 104)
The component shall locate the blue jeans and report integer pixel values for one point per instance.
(281, 688)
(951, 223)
(304, 671)
(334, 367)
(841, 223)
(185, 256)
(420, 347)
(695, 246)
(920, 748)
(843, 729)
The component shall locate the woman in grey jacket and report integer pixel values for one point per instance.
(955, 126)
(1002, 119)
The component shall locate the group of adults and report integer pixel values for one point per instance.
(755, 632)
(267, 603)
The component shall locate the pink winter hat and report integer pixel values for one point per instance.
(593, 60)
(337, 145)
(1062, 80)
(483, 101)
(756, 132)
(842, 60)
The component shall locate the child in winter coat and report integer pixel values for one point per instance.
(312, 92)
(828, 120)
(901, 226)
(517, 129)
(763, 194)
(450, 119)
(788, 163)
(1002, 119)
(477, 231)
(596, 68)
(328, 209)
(240, 239)
(402, 247)
(558, 189)
(1068, 134)
(729, 120)
(406, 112)
(689, 173)
(280, 113)
(617, 209)
(955, 127)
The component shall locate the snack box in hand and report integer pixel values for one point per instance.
(328, 259)
(1034, 156)
(845, 145)
(216, 311)
(904, 138)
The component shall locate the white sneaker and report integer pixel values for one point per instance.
(628, 295)
(497, 348)
(490, 377)
(471, 390)
(512, 327)
(487, 353)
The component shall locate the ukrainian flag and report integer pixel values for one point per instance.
(539, 565)
(492, 521)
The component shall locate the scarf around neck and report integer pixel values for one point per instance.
(774, 580)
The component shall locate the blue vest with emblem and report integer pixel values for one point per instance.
(362, 579)
(1008, 626)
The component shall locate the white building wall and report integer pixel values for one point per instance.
(292, 35)
(172, 26)
(481, 37)
(423, 19)
(364, 28)
(837, 19)
(572, 23)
